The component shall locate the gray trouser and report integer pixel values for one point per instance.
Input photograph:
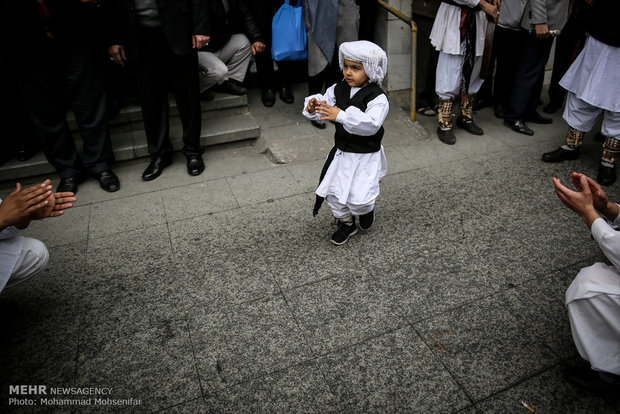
(230, 62)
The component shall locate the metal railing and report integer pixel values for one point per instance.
(414, 47)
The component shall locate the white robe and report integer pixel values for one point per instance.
(593, 301)
(594, 77)
(446, 36)
(10, 249)
(351, 177)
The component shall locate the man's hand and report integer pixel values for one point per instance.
(581, 201)
(258, 47)
(599, 198)
(117, 54)
(542, 30)
(330, 113)
(58, 202)
(200, 41)
(18, 207)
(490, 9)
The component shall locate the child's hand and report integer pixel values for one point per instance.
(330, 113)
(312, 105)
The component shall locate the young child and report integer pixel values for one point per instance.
(357, 105)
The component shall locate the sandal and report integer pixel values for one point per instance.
(427, 111)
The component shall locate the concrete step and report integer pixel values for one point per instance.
(130, 116)
(131, 144)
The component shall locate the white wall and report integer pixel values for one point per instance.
(394, 36)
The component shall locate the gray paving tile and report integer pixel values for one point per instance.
(129, 252)
(126, 214)
(197, 200)
(199, 237)
(297, 389)
(546, 392)
(227, 278)
(394, 373)
(307, 173)
(488, 345)
(194, 406)
(244, 341)
(123, 304)
(261, 186)
(293, 264)
(71, 227)
(293, 145)
(134, 366)
(338, 312)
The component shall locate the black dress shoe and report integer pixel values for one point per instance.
(498, 110)
(593, 382)
(606, 175)
(195, 165)
(69, 184)
(108, 181)
(552, 107)
(268, 97)
(319, 125)
(446, 136)
(560, 155)
(286, 94)
(537, 118)
(156, 167)
(519, 126)
(231, 86)
(469, 126)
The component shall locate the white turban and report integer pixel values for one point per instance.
(371, 56)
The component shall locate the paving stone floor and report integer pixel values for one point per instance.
(222, 294)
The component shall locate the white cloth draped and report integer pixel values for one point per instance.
(446, 36)
(594, 77)
(593, 301)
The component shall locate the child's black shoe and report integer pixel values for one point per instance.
(345, 230)
(367, 220)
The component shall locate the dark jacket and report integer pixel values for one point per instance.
(180, 19)
(239, 19)
(602, 21)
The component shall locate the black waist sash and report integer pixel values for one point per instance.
(319, 200)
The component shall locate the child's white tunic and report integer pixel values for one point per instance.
(353, 178)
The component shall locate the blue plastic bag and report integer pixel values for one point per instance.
(289, 40)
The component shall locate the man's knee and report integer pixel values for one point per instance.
(32, 261)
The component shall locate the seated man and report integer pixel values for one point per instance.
(593, 299)
(21, 257)
(224, 61)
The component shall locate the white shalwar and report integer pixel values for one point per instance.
(20, 257)
(446, 38)
(593, 85)
(351, 183)
(593, 301)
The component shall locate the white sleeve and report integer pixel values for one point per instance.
(608, 239)
(366, 123)
(328, 97)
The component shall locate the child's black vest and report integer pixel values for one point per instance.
(346, 141)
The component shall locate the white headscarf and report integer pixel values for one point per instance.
(371, 56)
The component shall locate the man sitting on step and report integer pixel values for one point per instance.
(224, 61)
